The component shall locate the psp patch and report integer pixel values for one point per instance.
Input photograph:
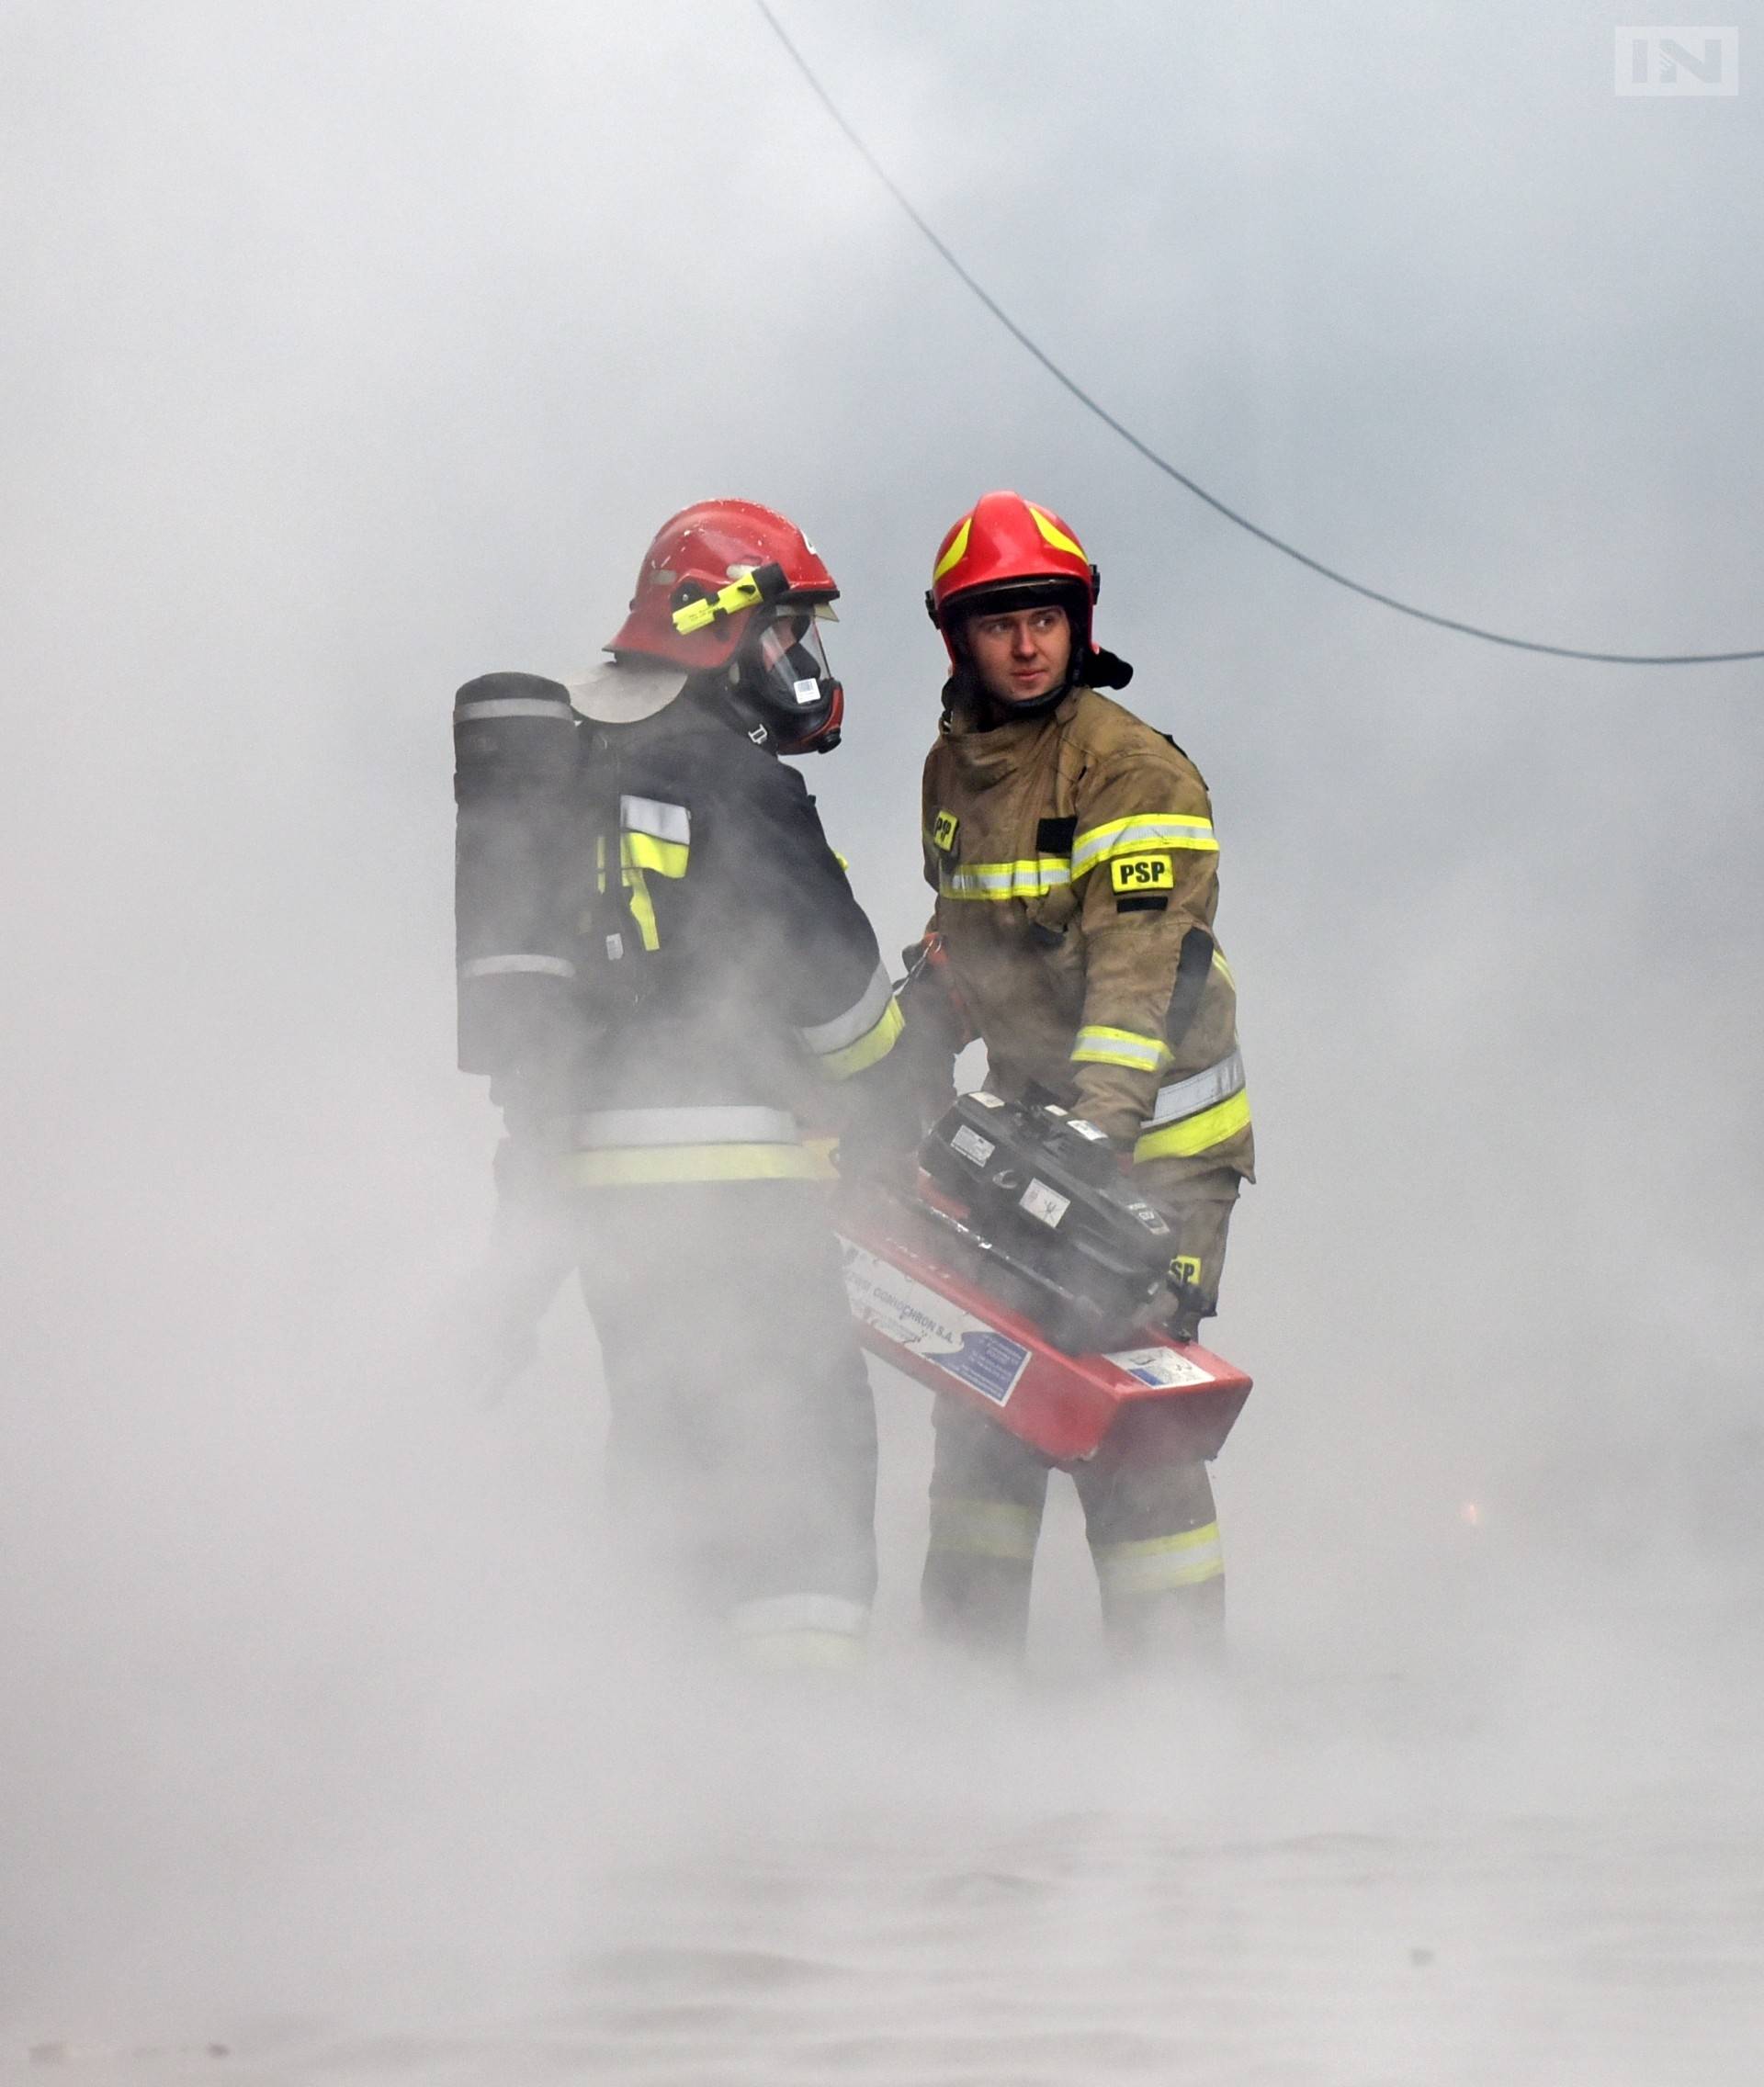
(942, 832)
(1142, 873)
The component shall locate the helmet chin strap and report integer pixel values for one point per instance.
(1098, 670)
(995, 711)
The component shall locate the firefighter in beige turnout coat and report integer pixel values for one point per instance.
(1072, 851)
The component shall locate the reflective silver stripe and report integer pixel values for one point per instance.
(512, 706)
(1140, 835)
(798, 1612)
(1160, 1565)
(495, 966)
(857, 1020)
(1007, 880)
(1120, 1047)
(1199, 1090)
(721, 1123)
(664, 822)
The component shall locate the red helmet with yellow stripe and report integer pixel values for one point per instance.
(1005, 553)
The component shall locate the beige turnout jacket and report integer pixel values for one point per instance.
(1076, 869)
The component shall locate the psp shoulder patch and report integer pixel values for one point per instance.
(942, 832)
(1142, 873)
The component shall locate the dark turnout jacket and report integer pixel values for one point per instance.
(725, 964)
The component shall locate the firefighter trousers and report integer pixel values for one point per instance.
(741, 1451)
(1148, 1508)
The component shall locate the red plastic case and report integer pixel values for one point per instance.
(943, 1328)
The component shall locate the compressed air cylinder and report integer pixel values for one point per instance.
(514, 750)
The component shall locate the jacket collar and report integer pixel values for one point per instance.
(625, 694)
(983, 756)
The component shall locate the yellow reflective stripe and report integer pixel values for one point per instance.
(1196, 1134)
(638, 853)
(1135, 836)
(954, 555)
(1051, 533)
(1156, 1563)
(642, 908)
(1033, 877)
(1223, 968)
(644, 852)
(851, 1024)
(637, 1165)
(1099, 1046)
(872, 1044)
(984, 1529)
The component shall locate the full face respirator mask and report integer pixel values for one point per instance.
(784, 689)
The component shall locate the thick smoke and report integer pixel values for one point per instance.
(353, 355)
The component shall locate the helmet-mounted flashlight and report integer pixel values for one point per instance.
(766, 583)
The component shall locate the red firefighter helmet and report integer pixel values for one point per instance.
(731, 584)
(1007, 552)
(699, 557)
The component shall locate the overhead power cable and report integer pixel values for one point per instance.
(1170, 469)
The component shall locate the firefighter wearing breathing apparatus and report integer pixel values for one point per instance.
(1072, 851)
(659, 954)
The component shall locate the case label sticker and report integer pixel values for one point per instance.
(1044, 1203)
(1159, 1368)
(913, 1317)
(972, 1146)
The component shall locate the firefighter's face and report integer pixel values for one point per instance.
(1022, 654)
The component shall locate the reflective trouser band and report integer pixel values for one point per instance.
(800, 1630)
(1033, 877)
(501, 966)
(1099, 1046)
(984, 1529)
(1155, 1565)
(1142, 833)
(1196, 1134)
